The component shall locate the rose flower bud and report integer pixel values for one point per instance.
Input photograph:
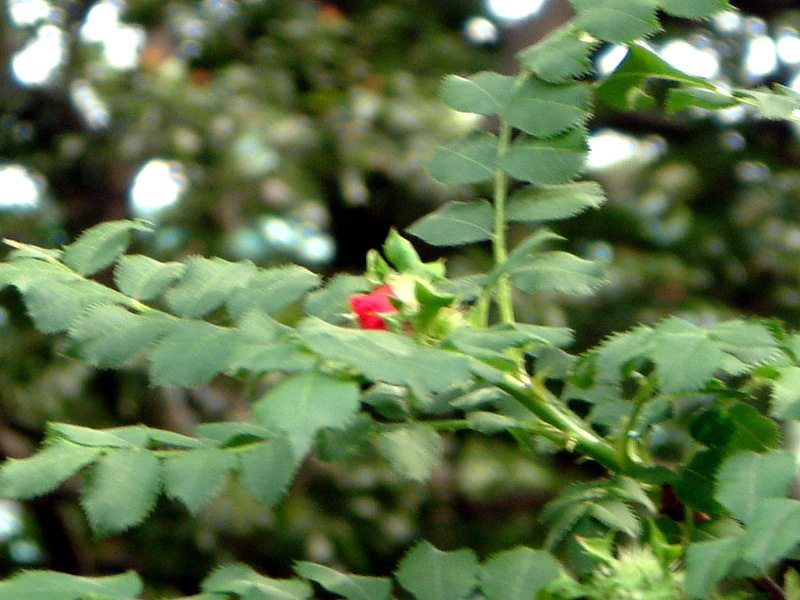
(369, 306)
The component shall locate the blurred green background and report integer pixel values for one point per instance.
(298, 130)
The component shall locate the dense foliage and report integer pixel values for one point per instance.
(393, 361)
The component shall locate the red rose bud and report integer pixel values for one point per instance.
(368, 307)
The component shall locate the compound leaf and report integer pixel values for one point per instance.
(455, 224)
(54, 304)
(471, 160)
(121, 490)
(430, 574)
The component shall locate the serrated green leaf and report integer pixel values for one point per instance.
(773, 531)
(752, 343)
(695, 487)
(684, 97)
(330, 303)
(471, 160)
(456, 224)
(108, 335)
(489, 423)
(86, 436)
(49, 585)
(55, 304)
(694, 9)
(122, 489)
(708, 563)
(779, 104)
(351, 587)
(547, 161)
(559, 57)
(430, 574)
(273, 290)
(192, 353)
(387, 357)
(551, 203)
(143, 278)
(281, 356)
(411, 450)
(21, 250)
(617, 20)
(484, 93)
(206, 284)
(303, 404)
(685, 357)
(195, 476)
(545, 109)
(753, 430)
(616, 515)
(100, 246)
(786, 393)
(747, 478)
(624, 88)
(559, 271)
(518, 574)
(268, 468)
(44, 471)
(242, 581)
(520, 257)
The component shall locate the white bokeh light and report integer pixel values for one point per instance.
(514, 10)
(24, 13)
(761, 57)
(608, 148)
(39, 60)
(702, 62)
(122, 43)
(20, 189)
(788, 47)
(158, 185)
(610, 58)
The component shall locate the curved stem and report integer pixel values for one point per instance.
(568, 429)
(500, 251)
